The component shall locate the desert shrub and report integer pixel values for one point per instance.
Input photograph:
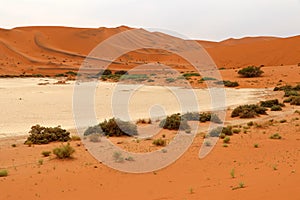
(136, 77)
(248, 111)
(93, 130)
(228, 83)
(289, 93)
(189, 75)
(45, 135)
(283, 88)
(226, 140)
(170, 80)
(227, 130)
(202, 117)
(295, 101)
(282, 121)
(276, 108)
(269, 103)
(117, 127)
(71, 73)
(95, 137)
(46, 153)
(117, 156)
(174, 122)
(107, 72)
(207, 79)
(75, 138)
(121, 72)
(256, 145)
(60, 75)
(144, 121)
(275, 136)
(13, 145)
(250, 123)
(216, 132)
(159, 142)
(250, 71)
(3, 173)
(236, 130)
(65, 151)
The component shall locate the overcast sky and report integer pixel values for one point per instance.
(196, 19)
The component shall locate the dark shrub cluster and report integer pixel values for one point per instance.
(189, 75)
(174, 122)
(117, 127)
(248, 111)
(250, 71)
(45, 135)
(271, 103)
(159, 142)
(202, 117)
(295, 101)
(228, 83)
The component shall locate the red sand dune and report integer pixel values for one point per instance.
(49, 50)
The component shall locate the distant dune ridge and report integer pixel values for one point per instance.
(51, 50)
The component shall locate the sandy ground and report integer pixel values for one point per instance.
(24, 103)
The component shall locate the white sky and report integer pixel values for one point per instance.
(196, 19)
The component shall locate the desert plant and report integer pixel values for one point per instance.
(174, 122)
(216, 132)
(64, 151)
(45, 135)
(117, 127)
(295, 101)
(93, 130)
(248, 111)
(159, 142)
(275, 136)
(13, 145)
(117, 156)
(188, 75)
(232, 173)
(121, 72)
(256, 145)
(226, 140)
(170, 80)
(250, 71)
(276, 108)
(207, 79)
(75, 138)
(95, 137)
(270, 103)
(46, 153)
(236, 130)
(3, 173)
(40, 161)
(227, 83)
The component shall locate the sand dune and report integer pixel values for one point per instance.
(50, 50)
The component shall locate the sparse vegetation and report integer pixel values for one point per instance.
(248, 111)
(64, 151)
(276, 108)
(117, 156)
(93, 130)
(275, 136)
(256, 145)
(45, 135)
(75, 138)
(46, 153)
(159, 142)
(95, 137)
(202, 117)
(226, 140)
(232, 173)
(3, 173)
(174, 122)
(117, 127)
(228, 83)
(189, 75)
(250, 72)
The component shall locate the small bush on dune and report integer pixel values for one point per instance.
(202, 117)
(117, 127)
(46, 153)
(289, 93)
(275, 136)
(121, 72)
(65, 151)
(3, 173)
(276, 108)
(95, 137)
(226, 140)
(269, 103)
(174, 122)
(228, 83)
(296, 101)
(248, 111)
(250, 71)
(159, 142)
(45, 135)
(93, 130)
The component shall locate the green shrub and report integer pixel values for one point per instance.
(46, 153)
(282, 121)
(228, 83)
(226, 140)
(256, 145)
(207, 79)
(174, 122)
(136, 77)
(65, 151)
(296, 101)
(159, 142)
(250, 123)
(107, 72)
(117, 127)
(188, 75)
(216, 132)
(45, 135)
(275, 136)
(276, 108)
(75, 138)
(250, 71)
(202, 117)
(269, 103)
(170, 80)
(236, 130)
(121, 72)
(60, 75)
(118, 157)
(95, 137)
(289, 93)
(93, 130)
(3, 173)
(227, 130)
(71, 73)
(248, 111)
